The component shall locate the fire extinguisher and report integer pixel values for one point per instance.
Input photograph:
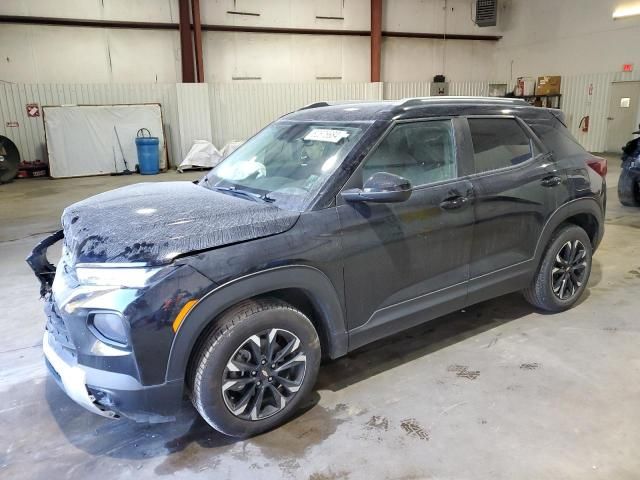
(584, 123)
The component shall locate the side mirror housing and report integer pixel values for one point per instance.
(381, 187)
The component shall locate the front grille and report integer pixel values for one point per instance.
(57, 328)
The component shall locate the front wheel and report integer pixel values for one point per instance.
(255, 367)
(628, 189)
(563, 272)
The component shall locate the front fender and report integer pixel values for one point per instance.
(309, 279)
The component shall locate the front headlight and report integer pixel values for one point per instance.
(116, 275)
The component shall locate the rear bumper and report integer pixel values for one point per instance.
(111, 394)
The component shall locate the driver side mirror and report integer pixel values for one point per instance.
(381, 187)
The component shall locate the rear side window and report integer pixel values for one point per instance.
(558, 139)
(498, 143)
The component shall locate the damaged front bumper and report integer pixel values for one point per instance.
(71, 377)
(109, 394)
(106, 380)
(43, 269)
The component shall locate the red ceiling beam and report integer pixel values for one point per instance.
(186, 42)
(197, 39)
(76, 22)
(376, 39)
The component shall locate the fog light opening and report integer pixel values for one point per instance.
(109, 328)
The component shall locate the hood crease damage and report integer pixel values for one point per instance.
(154, 223)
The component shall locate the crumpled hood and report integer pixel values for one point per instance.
(156, 222)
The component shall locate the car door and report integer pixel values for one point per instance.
(515, 183)
(403, 258)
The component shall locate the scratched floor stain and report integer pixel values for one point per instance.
(463, 371)
(530, 366)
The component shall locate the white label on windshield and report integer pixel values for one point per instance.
(326, 135)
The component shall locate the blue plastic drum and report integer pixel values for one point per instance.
(148, 153)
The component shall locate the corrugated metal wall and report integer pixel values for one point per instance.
(577, 102)
(235, 111)
(398, 90)
(194, 115)
(29, 136)
(240, 110)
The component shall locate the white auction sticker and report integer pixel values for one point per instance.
(326, 135)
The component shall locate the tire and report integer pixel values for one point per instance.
(229, 364)
(552, 271)
(628, 190)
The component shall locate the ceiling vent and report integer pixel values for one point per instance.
(486, 13)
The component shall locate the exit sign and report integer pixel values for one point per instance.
(627, 67)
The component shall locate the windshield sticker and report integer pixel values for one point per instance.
(326, 135)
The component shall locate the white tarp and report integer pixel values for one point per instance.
(81, 139)
(204, 154)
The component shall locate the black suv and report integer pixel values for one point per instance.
(333, 227)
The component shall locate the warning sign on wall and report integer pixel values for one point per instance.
(33, 110)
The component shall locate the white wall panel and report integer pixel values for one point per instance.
(419, 59)
(398, 90)
(568, 37)
(130, 10)
(289, 13)
(428, 16)
(577, 103)
(194, 115)
(274, 58)
(238, 110)
(53, 54)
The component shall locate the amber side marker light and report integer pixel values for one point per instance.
(182, 314)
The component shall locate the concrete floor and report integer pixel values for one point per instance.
(498, 391)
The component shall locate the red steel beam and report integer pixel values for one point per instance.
(197, 38)
(76, 22)
(376, 39)
(186, 42)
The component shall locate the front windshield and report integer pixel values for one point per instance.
(286, 163)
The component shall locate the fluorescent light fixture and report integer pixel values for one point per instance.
(627, 11)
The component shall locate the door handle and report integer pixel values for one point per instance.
(452, 203)
(551, 181)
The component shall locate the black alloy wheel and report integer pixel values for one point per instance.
(569, 269)
(264, 374)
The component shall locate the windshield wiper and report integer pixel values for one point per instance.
(252, 196)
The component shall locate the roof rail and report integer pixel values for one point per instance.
(332, 104)
(419, 101)
(314, 105)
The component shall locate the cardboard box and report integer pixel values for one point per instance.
(548, 85)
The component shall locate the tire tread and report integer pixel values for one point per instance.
(536, 293)
(230, 319)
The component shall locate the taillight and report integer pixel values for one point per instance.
(599, 165)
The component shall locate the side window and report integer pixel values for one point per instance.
(498, 143)
(558, 139)
(422, 152)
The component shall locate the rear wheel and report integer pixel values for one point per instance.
(255, 367)
(563, 272)
(628, 189)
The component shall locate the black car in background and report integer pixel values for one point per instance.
(335, 226)
(629, 181)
